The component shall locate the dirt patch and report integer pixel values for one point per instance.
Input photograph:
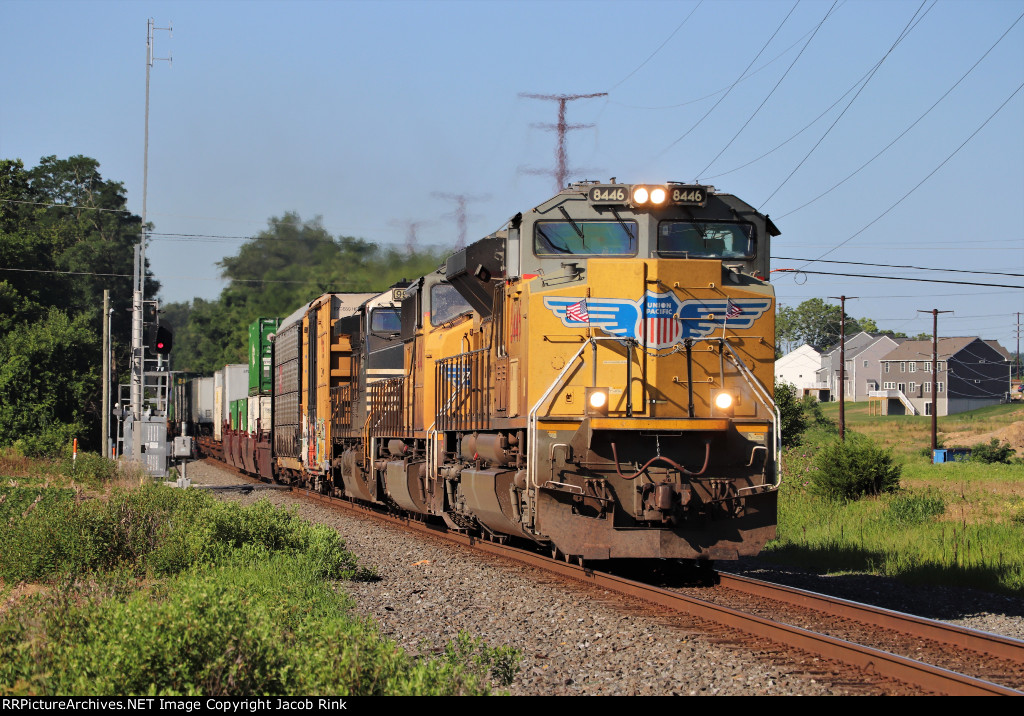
(1012, 434)
(19, 592)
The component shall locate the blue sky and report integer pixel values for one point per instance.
(360, 112)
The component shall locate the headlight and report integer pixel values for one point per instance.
(640, 195)
(597, 401)
(723, 401)
(658, 195)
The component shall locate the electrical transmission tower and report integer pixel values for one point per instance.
(561, 170)
(411, 229)
(460, 212)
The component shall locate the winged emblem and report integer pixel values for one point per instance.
(611, 315)
(661, 320)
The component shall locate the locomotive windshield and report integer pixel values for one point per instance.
(600, 238)
(446, 303)
(385, 320)
(706, 240)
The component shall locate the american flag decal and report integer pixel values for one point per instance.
(578, 312)
(659, 320)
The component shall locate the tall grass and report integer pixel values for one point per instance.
(955, 524)
(163, 591)
(237, 630)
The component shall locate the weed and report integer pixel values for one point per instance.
(915, 509)
(992, 453)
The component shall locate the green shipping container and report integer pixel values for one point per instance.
(260, 332)
(240, 414)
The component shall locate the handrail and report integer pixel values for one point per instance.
(768, 402)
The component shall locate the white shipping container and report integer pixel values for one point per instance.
(236, 386)
(218, 404)
(259, 409)
(202, 400)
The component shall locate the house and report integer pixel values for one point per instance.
(863, 370)
(798, 368)
(969, 373)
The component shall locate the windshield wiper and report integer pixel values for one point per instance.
(576, 226)
(624, 225)
(552, 243)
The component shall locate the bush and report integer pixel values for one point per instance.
(50, 441)
(850, 469)
(793, 419)
(90, 467)
(814, 416)
(799, 415)
(269, 628)
(159, 531)
(992, 453)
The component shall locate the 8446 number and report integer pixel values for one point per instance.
(688, 195)
(608, 194)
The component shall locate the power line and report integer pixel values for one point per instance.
(765, 100)
(918, 268)
(895, 278)
(651, 56)
(912, 125)
(746, 69)
(723, 89)
(918, 185)
(906, 31)
(68, 273)
(63, 206)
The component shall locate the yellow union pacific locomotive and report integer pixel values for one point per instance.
(595, 377)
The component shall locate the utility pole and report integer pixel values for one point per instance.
(138, 362)
(105, 402)
(1018, 351)
(935, 375)
(561, 171)
(842, 364)
(460, 212)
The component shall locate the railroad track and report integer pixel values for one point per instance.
(866, 642)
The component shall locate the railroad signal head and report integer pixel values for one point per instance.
(162, 340)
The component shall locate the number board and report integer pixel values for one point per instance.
(687, 195)
(608, 194)
(397, 295)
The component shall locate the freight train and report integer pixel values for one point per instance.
(596, 377)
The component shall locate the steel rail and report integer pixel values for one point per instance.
(995, 645)
(872, 661)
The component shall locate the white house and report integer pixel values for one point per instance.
(798, 367)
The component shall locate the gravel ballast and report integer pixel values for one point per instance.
(578, 640)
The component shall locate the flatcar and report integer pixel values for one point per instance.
(596, 377)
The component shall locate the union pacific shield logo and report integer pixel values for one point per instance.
(662, 327)
(661, 320)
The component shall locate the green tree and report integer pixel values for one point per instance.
(49, 373)
(288, 264)
(815, 323)
(65, 235)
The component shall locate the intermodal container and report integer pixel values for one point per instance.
(261, 336)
